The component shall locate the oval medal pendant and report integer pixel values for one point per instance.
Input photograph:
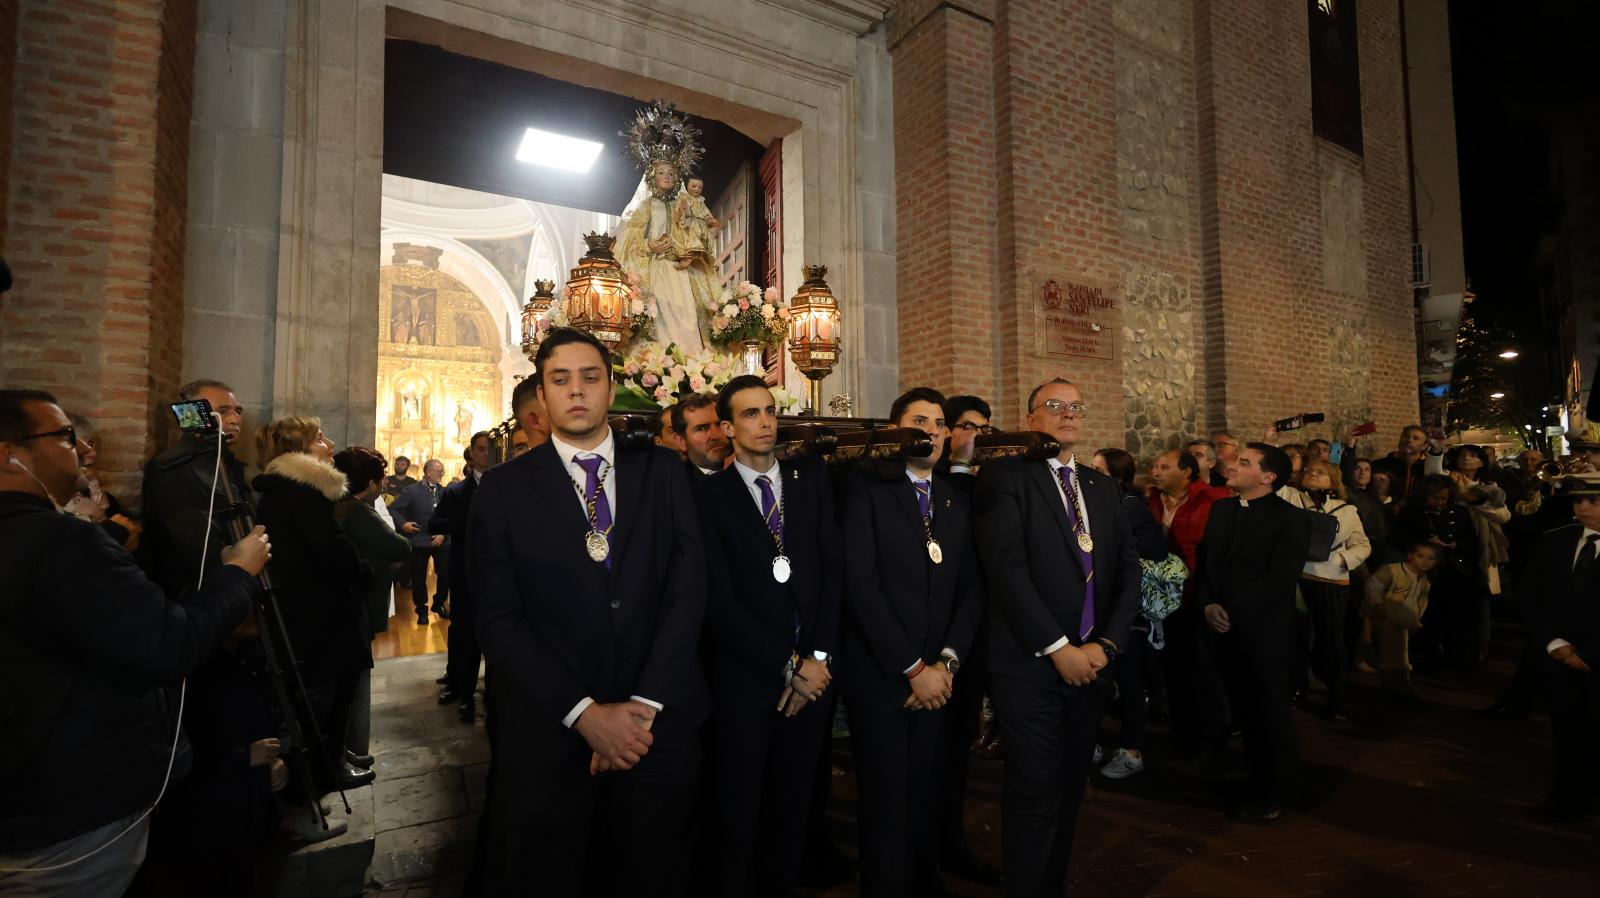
(1084, 542)
(780, 569)
(935, 554)
(597, 546)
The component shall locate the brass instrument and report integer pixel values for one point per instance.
(1552, 474)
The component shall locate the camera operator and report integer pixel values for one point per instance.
(87, 645)
(177, 501)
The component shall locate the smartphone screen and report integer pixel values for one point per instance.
(194, 416)
(1336, 453)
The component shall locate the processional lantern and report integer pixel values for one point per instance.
(814, 331)
(535, 314)
(597, 296)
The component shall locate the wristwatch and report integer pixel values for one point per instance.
(1109, 647)
(951, 663)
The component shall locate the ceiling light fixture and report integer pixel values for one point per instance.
(557, 151)
(1509, 354)
(1497, 395)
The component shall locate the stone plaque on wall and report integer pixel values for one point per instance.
(1079, 319)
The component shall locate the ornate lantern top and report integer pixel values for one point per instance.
(535, 314)
(814, 325)
(597, 294)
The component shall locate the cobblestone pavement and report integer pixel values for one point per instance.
(1401, 802)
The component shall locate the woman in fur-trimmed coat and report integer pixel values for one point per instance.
(318, 573)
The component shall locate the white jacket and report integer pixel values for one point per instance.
(1350, 545)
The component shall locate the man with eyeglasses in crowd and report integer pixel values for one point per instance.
(1225, 449)
(1058, 554)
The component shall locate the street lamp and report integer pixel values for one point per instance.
(1497, 395)
(1509, 354)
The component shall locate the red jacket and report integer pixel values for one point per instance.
(1189, 521)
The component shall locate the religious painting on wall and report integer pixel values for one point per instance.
(411, 315)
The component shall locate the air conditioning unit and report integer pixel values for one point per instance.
(1419, 267)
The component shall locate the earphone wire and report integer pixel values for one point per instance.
(183, 694)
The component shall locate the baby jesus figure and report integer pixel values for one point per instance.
(692, 225)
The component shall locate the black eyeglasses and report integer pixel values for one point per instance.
(70, 434)
(970, 427)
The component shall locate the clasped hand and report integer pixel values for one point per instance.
(1567, 656)
(1217, 618)
(1079, 666)
(619, 734)
(930, 688)
(807, 685)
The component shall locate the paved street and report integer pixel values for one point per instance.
(1401, 802)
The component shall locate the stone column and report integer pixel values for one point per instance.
(96, 195)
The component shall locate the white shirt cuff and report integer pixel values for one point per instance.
(1052, 647)
(1556, 644)
(958, 468)
(644, 701)
(576, 712)
(907, 671)
(820, 656)
(949, 652)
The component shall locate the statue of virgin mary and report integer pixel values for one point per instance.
(683, 286)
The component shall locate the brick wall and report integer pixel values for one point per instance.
(96, 199)
(8, 58)
(1278, 261)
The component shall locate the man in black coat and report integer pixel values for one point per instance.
(450, 520)
(88, 646)
(593, 632)
(1560, 592)
(774, 560)
(176, 497)
(1063, 577)
(913, 600)
(411, 513)
(1246, 569)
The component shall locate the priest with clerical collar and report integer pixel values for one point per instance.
(774, 569)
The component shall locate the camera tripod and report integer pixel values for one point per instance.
(286, 683)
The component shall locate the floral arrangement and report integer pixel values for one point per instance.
(651, 377)
(745, 313)
(641, 318)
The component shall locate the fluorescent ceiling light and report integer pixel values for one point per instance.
(557, 151)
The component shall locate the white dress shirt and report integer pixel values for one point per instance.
(1582, 541)
(1083, 518)
(569, 458)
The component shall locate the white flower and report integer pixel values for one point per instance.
(730, 310)
(767, 310)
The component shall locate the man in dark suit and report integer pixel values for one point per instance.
(588, 572)
(1560, 588)
(694, 420)
(1063, 578)
(450, 520)
(1246, 568)
(774, 561)
(912, 608)
(411, 513)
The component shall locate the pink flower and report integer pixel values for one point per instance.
(650, 379)
(712, 369)
(744, 304)
(719, 322)
(678, 374)
(662, 394)
(697, 383)
(631, 369)
(772, 295)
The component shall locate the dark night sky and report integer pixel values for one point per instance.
(1516, 65)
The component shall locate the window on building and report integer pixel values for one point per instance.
(1335, 72)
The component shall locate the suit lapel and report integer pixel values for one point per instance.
(1044, 478)
(905, 495)
(630, 484)
(737, 495)
(554, 485)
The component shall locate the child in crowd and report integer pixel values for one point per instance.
(1396, 597)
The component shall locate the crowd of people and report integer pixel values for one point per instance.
(664, 626)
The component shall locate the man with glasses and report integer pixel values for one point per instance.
(88, 647)
(1063, 580)
(177, 502)
(1226, 449)
(968, 417)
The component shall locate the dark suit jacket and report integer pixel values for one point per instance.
(1559, 605)
(900, 606)
(449, 519)
(750, 621)
(1030, 560)
(415, 505)
(558, 626)
(1253, 572)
